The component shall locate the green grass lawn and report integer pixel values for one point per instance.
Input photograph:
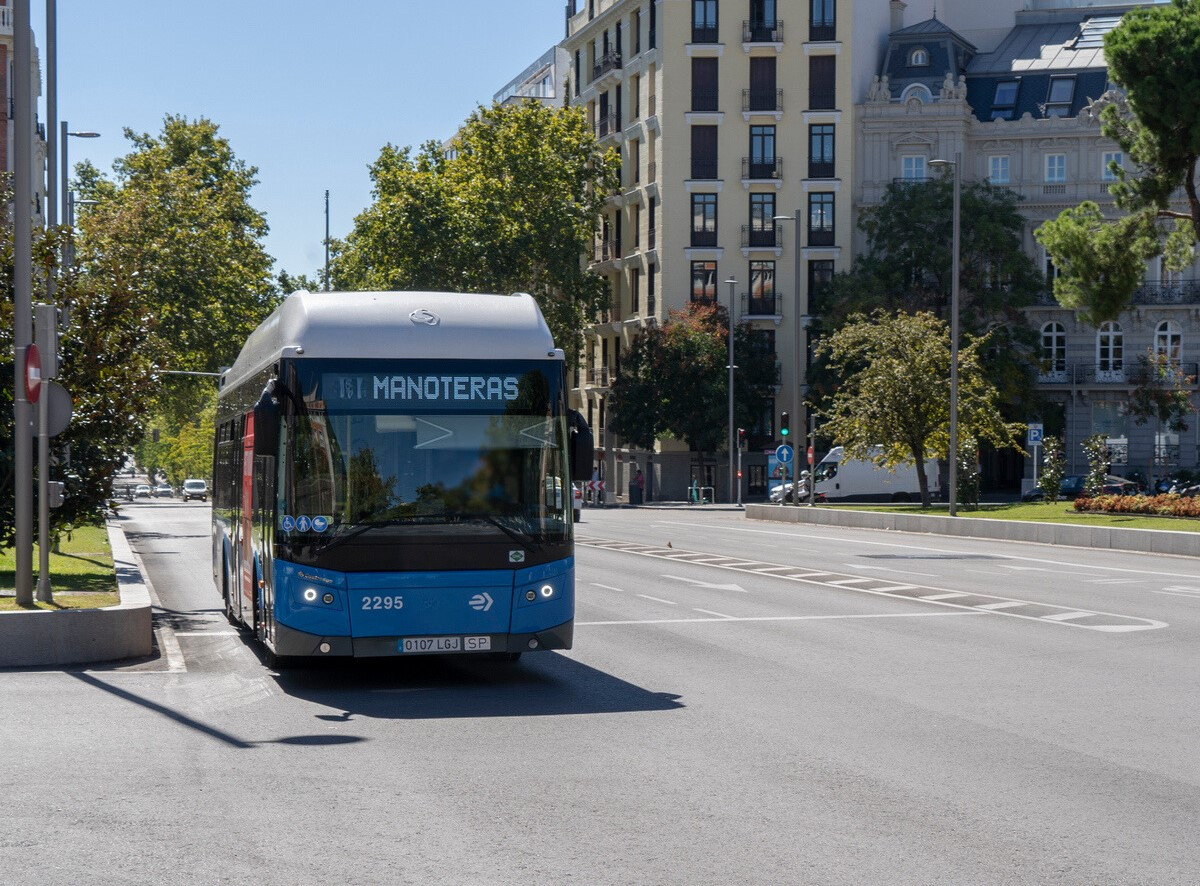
(81, 574)
(1040, 512)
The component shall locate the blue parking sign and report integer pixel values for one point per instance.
(1034, 437)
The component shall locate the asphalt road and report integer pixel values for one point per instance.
(745, 703)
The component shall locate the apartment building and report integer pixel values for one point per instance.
(544, 80)
(38, 154)
(1020, 105)
(728, 115)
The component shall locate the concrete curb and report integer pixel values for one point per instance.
(1147, 541)
(74, 636)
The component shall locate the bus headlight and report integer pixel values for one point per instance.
(547, 591)
(310, 595)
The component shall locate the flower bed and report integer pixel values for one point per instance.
(1167, 505)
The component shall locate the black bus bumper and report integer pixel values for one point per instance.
(300, 644)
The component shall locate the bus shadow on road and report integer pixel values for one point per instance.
(434, 687)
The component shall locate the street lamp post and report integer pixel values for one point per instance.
(732, 430)
(954, 262)
(800, 352)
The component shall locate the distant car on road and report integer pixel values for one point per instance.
(195, 489)
(143, 490)
(1072, 488)
(163, 490)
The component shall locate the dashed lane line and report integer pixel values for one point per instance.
(1030, 610)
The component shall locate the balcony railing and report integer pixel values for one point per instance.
(820, 169)
(1095, 374)
(652, 171)
(769, 168)
(761, 305)
(822, 99)
(821, 237)
(704, 238)
(597, 376)
(651, 304)
(704, 169)
(704, 100)
(651, 238)
(821, 32)
(605, 250)
(610, 61)
(1156, 292)
(609, 124)
(704, 33)
(764, 238)
(651, 105)
(762, 31)
(765, 100)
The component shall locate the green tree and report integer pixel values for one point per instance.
(175, 229)
(895, 392)
(512, 208)
(1054, 466)
(1154, 54)
(1162, 394)
(1095, 449)
(907, 267)
(674, 381)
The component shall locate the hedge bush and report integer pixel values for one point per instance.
(1167, 505)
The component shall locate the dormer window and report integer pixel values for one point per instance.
(1059, 97)
(918, 57)
(1004, 103)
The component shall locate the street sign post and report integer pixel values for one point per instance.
(784, 453)
(1033, 435)
(33, 373)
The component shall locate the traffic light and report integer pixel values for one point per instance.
(783, 425)
(741, 437)
(55, 493)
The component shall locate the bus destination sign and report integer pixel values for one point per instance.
(377, 388)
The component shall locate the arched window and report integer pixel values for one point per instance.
(918, 58)
(1110, 352)
(1054, 349)
(1168, 341)
(918, 91)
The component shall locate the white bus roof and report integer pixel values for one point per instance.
(406, 325)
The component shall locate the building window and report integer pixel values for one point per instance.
(762, 289)
(822, 20)
(635, 161)
(1111, 159)
(820, 151)
(998, 169)
(635, 290)
(820, 220)
(1110, 351)
(704, 21)
(704, 282)
(577, 74)
(704, 84)
(762, 220)
(1111, 419)
(822, 82)
(652, 29)
(635, 222)
(763, 94)
(1004, 102)
(704, 152)
(1054, 348)
(652, 234)
(918, 57)
(1168, 341)
(762, 153)
(820, 280)
(761, 28)
(1056, 168)
(1059, 97)
(912, 168)
(635, 23)
(704, 220)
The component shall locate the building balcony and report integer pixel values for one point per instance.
(756, 305)
(609, 124)
(703, 239)
(1157, 292)
(605, 251)
(760, 238)
(6, 21)
(598, 376)
(609, 63)
(705, 101)
(766, 169)
(821, 33)
(762, 101)
(762, 31)
(704, 170)
(1095, 375)
(704, 34)
(821, 237)
(820, 169)
(822, 99)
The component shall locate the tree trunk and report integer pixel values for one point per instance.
(922, 479)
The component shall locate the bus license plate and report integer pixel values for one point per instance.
(445, 644)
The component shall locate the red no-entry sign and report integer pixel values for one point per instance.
(33, 373)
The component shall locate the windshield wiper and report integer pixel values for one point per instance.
(444, 518)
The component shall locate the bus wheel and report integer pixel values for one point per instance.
(228, 599)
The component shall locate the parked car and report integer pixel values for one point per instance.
(783, 492)
(577, 499)
(195, 489)
(143, 490)
(163, 490)
(1072, 488)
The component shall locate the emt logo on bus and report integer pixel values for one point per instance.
(428, 388)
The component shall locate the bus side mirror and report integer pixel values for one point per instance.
(583, 448)
(266, 424)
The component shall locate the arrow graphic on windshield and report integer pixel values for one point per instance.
(481, 602)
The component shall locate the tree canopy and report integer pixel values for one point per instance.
(895, 391)
(511, 207)
(1154, 55)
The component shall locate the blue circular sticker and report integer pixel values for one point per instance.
(287, 524)
(320, 524)
(302, 523)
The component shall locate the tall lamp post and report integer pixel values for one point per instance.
(800, 319)
(954, 262)
(732, 430)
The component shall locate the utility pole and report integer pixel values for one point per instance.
(22, 299)
(732, 430)
(327, 239)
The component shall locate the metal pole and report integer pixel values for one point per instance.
(798, 369)
(22, 299)
(326, 239)
(954, 248)
(46, 324)
(732, 430)
(43, 586)
(812, 468)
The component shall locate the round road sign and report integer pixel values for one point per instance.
(784, 454)
(33, 373)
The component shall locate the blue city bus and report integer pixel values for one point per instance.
(392, 477)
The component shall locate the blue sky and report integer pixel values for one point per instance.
(307, 92)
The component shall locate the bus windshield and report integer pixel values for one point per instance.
(372, 451)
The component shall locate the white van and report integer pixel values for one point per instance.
(843, 479)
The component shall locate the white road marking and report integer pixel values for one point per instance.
(887, 589)
(658, 599)
(1067, 616)
(724, 618)
(849, 581)
(1008, 604)
(597, 584)
(717, 614)
(943, 596)
(206, 633)
(891, 569)
(708, 584)
(1187, 594)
